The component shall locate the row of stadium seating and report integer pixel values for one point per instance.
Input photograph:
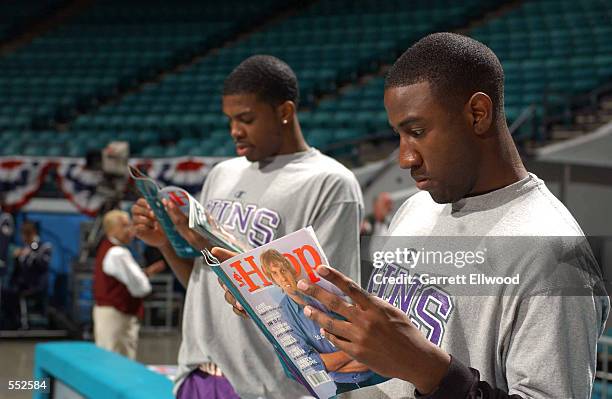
(109, 48)
(567, 69)
(539, 64)
(330, 43)
(16, 14)
(551, 51)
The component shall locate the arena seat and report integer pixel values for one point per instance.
(550, 50)
(111, 46)
(16, 15)
(327, 44)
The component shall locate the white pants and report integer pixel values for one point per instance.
(115, 330)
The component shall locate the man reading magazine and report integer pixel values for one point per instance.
(277, 185)
(444, 98)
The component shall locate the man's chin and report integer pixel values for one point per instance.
(442, 198)
(252, 157)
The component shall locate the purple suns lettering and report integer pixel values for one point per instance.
(428, 306)
(259, 225)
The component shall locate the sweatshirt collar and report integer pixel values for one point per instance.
(497, 197)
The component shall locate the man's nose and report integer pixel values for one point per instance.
(236, 131)
(408, 157)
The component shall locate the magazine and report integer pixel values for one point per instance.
(200, 219)
(264, 281)
(167, 370)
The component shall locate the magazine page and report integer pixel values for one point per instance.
(153, 194)
(264, 280)
(204, 223)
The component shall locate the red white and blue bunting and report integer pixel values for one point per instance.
(79, 185)
(22, 177)
(20, 180)
(186, 172)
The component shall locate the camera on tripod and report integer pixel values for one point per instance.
(111, 162)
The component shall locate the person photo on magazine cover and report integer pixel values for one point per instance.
(340, 367)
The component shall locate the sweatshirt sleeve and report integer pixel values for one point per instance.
(120, 264)
(464, 382)
(338, 231)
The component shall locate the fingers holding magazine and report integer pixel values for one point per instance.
(170, 217)
(223, 255)
(236, 307)
(376, 333)
(146, 226)
(181, 223)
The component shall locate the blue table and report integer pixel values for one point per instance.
(97, 373)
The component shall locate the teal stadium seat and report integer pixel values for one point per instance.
(111, 45)
(548, 48)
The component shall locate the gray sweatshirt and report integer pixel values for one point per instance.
(259, 202)
(536, 339)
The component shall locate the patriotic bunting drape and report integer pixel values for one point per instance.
(79, 185)
(20, 180)
(22, 177)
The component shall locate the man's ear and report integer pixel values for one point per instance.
(286, 112)
(480, 108)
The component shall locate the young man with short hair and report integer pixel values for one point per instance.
(444, 98)
(276, 186)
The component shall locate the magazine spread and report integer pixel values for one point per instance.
(199, 218)
(264, 281)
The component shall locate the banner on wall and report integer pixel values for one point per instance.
(186, 172)
(22, 177)
(79, 185)
(20, 180)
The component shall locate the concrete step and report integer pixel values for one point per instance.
(370, 152)
(599, 117)
(588, 127)
(565, 134)
(586, 118)
(606, 103)
(604, 117)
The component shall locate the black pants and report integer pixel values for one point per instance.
(9, 311)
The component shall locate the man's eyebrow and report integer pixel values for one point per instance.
(239, 114)
(409, 121)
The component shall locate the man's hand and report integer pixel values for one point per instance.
(376, 333)
(181, 222)
(146, 226)
(23, 251)
(223, 255)
(354, 367)
(155, 268)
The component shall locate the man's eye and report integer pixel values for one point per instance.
(417, 132)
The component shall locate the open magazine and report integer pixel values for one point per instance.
(264, 281)
(199, 219)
